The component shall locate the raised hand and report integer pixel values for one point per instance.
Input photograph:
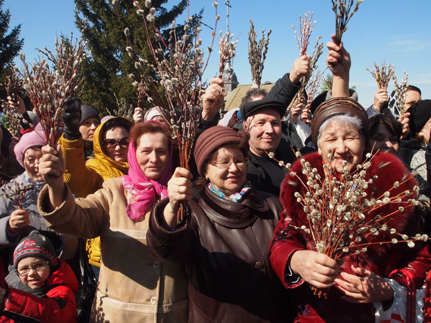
(213, 98)
(18, 219)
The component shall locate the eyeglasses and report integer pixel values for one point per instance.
(225, 164)
(112, 143)
(39, 266)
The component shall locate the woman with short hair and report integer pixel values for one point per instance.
(340, 131)
(224, 236)
(133, 285)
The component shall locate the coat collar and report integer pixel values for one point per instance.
(241, 214)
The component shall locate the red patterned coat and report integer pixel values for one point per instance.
(388, 260)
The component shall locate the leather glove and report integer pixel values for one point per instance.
(71, 117)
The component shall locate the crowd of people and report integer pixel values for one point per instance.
(111, 192)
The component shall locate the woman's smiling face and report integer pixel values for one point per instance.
(345, 144)
(227, 172)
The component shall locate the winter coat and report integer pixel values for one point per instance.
(283, 90)
(56, 306)
(67, 244)
(85, 178)
(388, 260)
(257, 173)
(133, 285)
(224, 246)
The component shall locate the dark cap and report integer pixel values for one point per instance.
(87, 113)
(254, 106)
(420, 113)
(35, 245)
(334, 107)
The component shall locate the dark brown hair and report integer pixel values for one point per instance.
(392, 125)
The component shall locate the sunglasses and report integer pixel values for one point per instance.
(112, 143)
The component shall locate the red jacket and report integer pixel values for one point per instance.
(58, 305)
(389, 260)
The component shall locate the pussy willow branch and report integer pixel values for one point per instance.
(343, 14)
(48, 89)
(257, 53)
(382, 74)
(400, 90)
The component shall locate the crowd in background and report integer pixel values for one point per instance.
(218, 242)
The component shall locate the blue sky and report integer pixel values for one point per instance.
(395, 31)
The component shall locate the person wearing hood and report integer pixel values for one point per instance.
(16, 222)
(46, 285)
(110, 144)
(133, 285)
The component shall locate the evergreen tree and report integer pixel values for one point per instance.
(10, 44)
(108, 65)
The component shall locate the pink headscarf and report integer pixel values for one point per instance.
(143, 191)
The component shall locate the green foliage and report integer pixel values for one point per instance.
(326, 83)
(107, 66)
(10, 43)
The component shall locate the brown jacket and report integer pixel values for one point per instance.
(224, 245)
(133, 285)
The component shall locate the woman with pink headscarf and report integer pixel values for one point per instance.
(133, 286)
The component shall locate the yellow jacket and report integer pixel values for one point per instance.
(84, 178)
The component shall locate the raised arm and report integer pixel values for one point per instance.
(339, 63)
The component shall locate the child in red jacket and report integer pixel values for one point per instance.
(46, 288)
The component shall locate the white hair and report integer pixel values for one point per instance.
(344, 120)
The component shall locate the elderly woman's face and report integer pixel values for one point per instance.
(31, 163)
(346, 144)
(152, 154)
(227, 171)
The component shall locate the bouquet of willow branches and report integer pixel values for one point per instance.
(257, 53)
(179, 66)
(343, 14)
(341, 214)
(382, 74)
(226, 52)
(15, 192)
(48, 89)
(306, 28)
(13, 85)
(400, 90)
(313, 86)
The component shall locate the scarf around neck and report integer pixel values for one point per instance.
(143, 191)
(237, 197)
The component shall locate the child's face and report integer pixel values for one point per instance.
(37, 272)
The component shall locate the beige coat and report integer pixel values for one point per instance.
(133, 285)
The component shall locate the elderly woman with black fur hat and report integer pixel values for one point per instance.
(224, 236)
(354, 283)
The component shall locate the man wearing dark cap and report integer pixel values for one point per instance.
(262, 121)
